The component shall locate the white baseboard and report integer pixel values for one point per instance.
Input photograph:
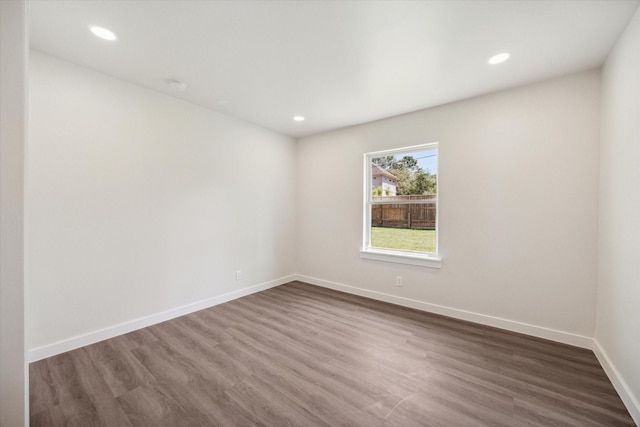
(123, 328)
(628, 398)
(510, 325)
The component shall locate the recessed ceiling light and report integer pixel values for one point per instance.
(499, 58)
(103, 33)
(176, 84)
(298, 118)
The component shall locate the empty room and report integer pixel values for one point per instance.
(320, 213)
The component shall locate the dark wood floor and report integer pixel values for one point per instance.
(301, 355)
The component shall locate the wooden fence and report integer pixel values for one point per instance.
(399, 212)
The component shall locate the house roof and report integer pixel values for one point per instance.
(378, 171)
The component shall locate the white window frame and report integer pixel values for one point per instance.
(425, 259)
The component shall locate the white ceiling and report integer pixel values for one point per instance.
(338, 63)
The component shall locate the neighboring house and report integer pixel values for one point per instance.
(383, 178)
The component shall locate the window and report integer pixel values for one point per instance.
(401, 206)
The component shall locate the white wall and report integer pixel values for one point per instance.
(618, 319)
(518, 208)
(13, 366)
(138, 203)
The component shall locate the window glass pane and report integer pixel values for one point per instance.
(404, 189)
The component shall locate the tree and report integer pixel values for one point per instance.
(423, 182)
(419, 182)
(410, 178)
(384, 162)
(391, 163)
(407, 162)
(403, 181)
(432, 183)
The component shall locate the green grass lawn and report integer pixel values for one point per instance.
(403, 238)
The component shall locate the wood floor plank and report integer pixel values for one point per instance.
(118, 367)
(152, 405)
(308, 356)
(43, 394)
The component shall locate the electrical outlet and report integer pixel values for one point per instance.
(398, 280)
(238, 274)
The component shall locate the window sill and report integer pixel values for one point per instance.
(400, 257)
